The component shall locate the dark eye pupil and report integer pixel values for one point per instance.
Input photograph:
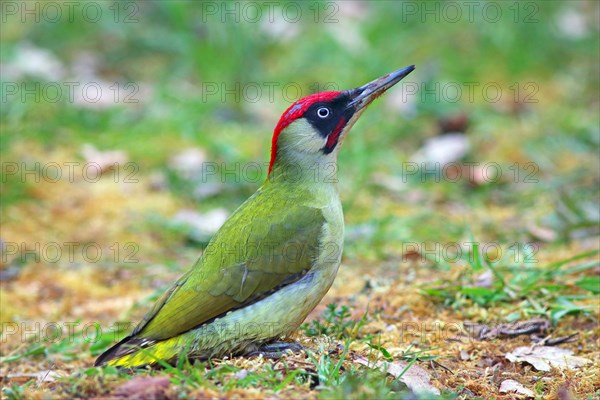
(323, 112)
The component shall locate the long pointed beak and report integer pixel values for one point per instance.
(364, 95)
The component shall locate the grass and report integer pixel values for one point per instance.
(423, 255)
(546, 290)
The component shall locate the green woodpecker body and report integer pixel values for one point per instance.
(274, 259)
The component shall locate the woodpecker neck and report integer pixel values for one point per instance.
(294, 167)
(299, 156)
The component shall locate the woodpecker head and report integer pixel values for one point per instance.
(313, 128)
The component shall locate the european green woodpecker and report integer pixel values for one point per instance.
(274, 259)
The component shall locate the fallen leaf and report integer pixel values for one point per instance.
(103, 160)
(208, 189)
(415, 377)
(96, 92)
(389, 182)
(485, 280)
(346, 31)
(241, 374)
(277, 27)
(455, 123)
(33, 61)
(542, 233)
(203, 225)
(144, 388)
(478, 175)
(441, 150)
(512, 386)
(543, 358)
(157, 181)
(464, 355)
(572, 24)
(41, 376)
(189, 162)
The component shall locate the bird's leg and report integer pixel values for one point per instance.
(276, 349)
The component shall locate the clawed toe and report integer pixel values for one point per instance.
(276, 350)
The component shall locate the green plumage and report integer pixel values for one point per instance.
(276, 238)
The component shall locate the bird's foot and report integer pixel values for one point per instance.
(276, 350)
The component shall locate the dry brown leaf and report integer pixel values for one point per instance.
(543, 358)
(415, 377)
(144, 388)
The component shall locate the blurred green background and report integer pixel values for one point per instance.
(520, 80)
(176, 103)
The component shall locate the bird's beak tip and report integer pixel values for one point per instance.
(365, 94)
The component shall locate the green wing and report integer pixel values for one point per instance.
(264, 245)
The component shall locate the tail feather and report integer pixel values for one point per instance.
(128, 346)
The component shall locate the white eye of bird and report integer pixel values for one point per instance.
(323, 112)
